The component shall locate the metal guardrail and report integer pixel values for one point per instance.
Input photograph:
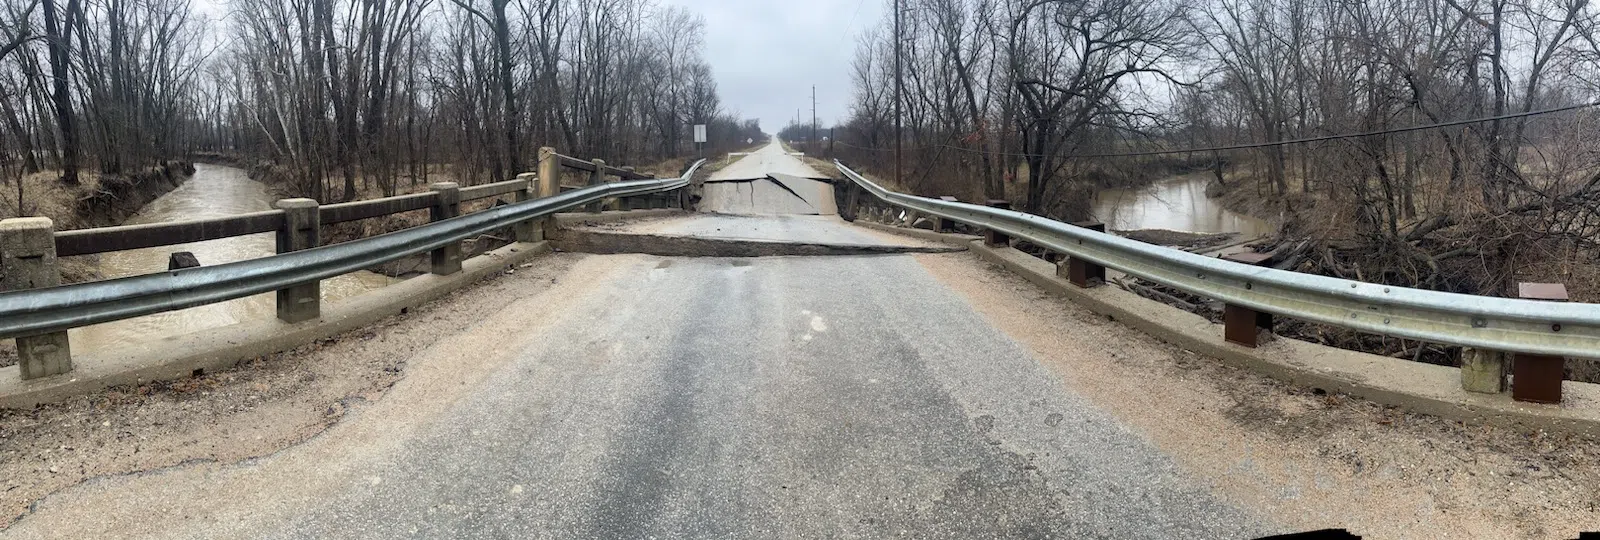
(40, 311)
(1498, 324)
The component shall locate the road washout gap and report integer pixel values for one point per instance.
(610, 243)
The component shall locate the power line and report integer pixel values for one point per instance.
(1272, 143)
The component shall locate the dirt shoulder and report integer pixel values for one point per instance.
(1306, 458)
(264, 405)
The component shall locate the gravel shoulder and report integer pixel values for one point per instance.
(258, 408)
(1307, 458)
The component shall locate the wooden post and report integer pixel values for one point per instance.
(1242, 325)
(28, 258)
(994, 238)
(549, 186)
(1080, 272)
(302, 229)
(1537, 377)
(446, 259)
(527, 231)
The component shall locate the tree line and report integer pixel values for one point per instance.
(1046, 101)
(335, 97)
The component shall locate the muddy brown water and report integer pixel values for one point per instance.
(1178, 203)
(213, 191)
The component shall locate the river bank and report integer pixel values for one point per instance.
(98, 200)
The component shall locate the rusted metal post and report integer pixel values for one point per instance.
(597, 177)
(994, 238)
(1536, 377)
(549, 186)
(445, 259)
(944, 224)
(1242, 325)
(1080, 272)
(527, 231)
(28, 259)
(302, 229)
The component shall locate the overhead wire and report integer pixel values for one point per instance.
(1246, 146)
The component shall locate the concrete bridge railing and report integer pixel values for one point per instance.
(37, 311)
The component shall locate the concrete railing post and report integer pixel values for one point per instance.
(597, 177)
(1483, 371)
(528, 231)
(994, 238)
(1242, 325)
(28, 258)
(1081, 272)
(302, 229)
(620, 203)
(1537, 377)
(446, 259)
(944, 224)
(549, 186)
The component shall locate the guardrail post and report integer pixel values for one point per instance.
(944, 224)
(446, 259)
(28, 258)
(1081, 272)
(1536, 377)
(1242, 325)
(302, 229)
(597, 177)
(1483, 370)
(549, 185)
(994, 238)
(527, 231)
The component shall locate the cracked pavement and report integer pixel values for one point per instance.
(773, 397)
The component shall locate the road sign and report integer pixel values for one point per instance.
(699, 133)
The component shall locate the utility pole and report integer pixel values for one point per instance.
(897, 141)
(814, 139)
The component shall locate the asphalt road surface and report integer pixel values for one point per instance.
(768, 182)
(779, 397)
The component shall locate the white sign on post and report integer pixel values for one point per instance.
(699, 133)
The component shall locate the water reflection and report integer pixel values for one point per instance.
(1178, 203)
(214, 191)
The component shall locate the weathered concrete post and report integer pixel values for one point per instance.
(1081, 272)
(994, 238)
(528, 231)
(1537, 377)
(549, 186)
(1242, 325)
(302, 229)
(944, 224)
(597, 177)
(28, 258)
(621, 203)
(1483, 371)
(446, 259)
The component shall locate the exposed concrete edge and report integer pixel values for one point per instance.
(568, 219)
(220, 348)
(693, 246)
(1424, 388)
(921, 234)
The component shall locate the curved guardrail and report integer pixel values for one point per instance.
(1501, 324)
(39, 311)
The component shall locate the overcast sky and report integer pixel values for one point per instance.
(767, 53)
